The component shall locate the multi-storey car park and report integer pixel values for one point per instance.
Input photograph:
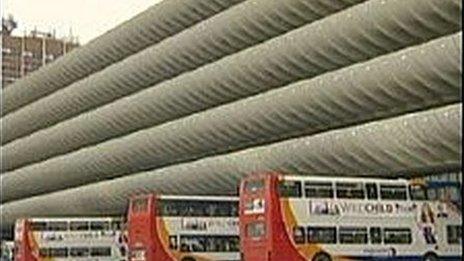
(190, 97)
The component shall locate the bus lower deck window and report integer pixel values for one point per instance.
(256, 229)
(375, 235)
(299, 235)
(352, 235)
(44, 252)
(454, 234)
(79, 252)
(397, 236)
(326, 235)
(173, 242)
(100, 251)
(203, 243)
(58, 252)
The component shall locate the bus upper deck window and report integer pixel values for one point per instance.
(253, 186)
(290, 189)
(256, 229)
(393, 192)
(116, 225)
(319, 190)
(417, 192)
(453, 193)
(57, 226)
(432, 194)
(140, 205)
(234, 209)
(350, 190)
(39, 226)
(79, 225)
(99, 225)
(371, 191)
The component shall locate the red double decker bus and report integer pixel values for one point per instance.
(184, 228)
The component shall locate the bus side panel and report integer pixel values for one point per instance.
(145, 231)
(307, 250)
(282, 246)
(162, 242)
(172, 227)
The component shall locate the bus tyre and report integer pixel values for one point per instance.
(188, 259)
(322, 257)
(430, 257)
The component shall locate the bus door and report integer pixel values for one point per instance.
(141, 228)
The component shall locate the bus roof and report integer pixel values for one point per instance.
(199, 197)
(344, 179)
(47, 219)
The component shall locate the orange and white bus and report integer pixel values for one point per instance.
(79, 238)
(327, 218)
(184, 228)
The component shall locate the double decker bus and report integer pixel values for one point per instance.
(184, 228)
(73, 238)
(327, 218)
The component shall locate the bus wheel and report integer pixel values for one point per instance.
(188, 259)
(322, 257)
(430, 256)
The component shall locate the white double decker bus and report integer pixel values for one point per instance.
(79, 238)
(323, 218)
(184, 228)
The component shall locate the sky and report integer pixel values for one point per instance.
(86, 19)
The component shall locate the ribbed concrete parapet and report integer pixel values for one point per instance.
(336, 41)
(413, 142)
(149, 27)
(412, 79)
(228, 32)
(419, 77)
